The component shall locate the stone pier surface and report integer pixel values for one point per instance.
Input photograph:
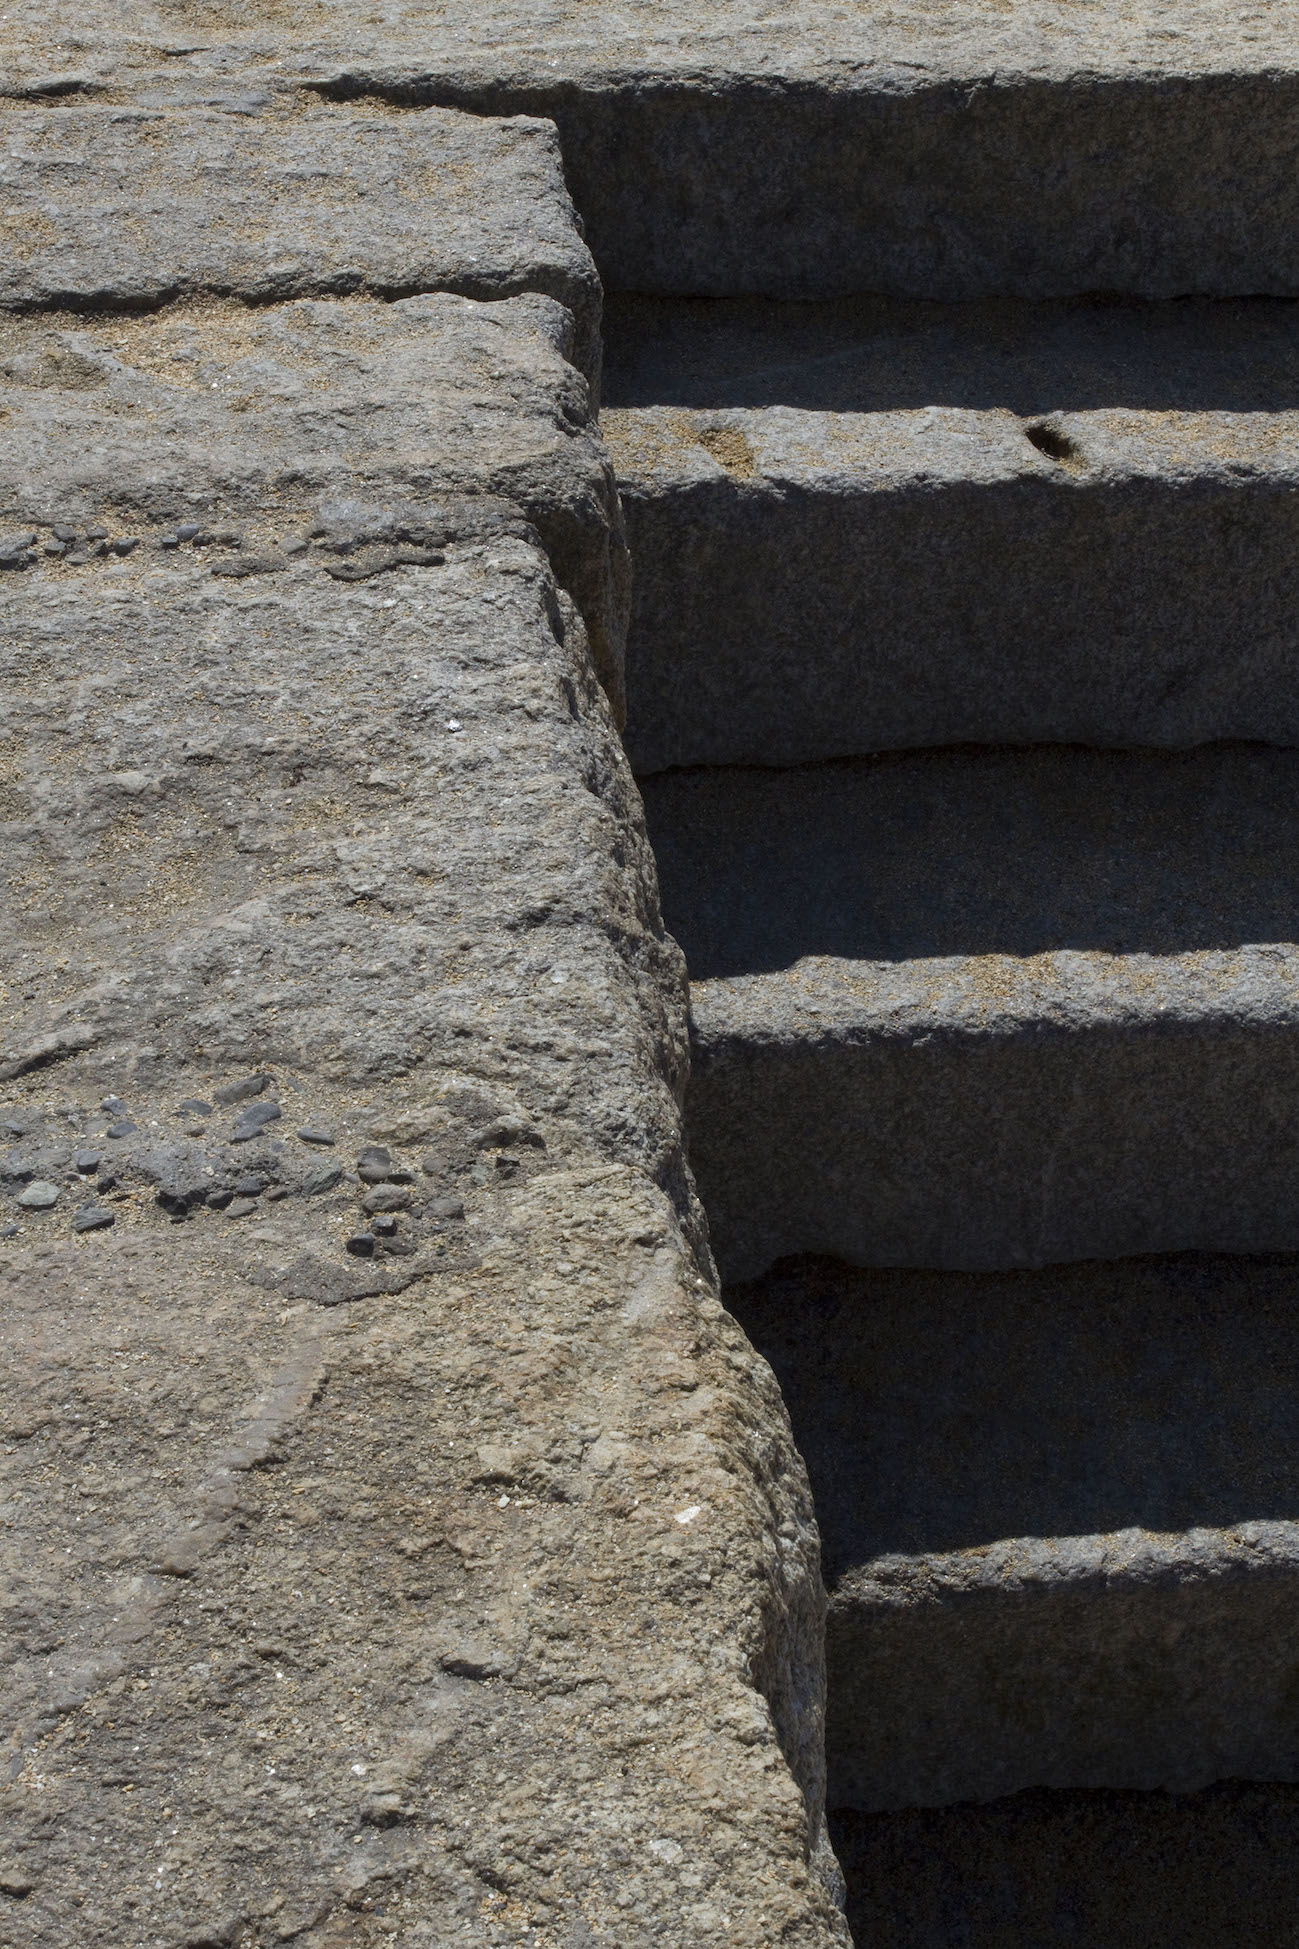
(401, 1543)
(981, 1009)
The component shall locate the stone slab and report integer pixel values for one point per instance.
(1060, 1518)
(986, 1009)
(324, 1565)
(130, 206)
(954, 153)
(1040, 150)
(235, 420)
(875, 526)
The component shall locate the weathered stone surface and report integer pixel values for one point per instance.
(210, 430)
(375, 1555)
(874, 526)
(948, 153)
(259, 814)
(990, 1009)
(1058, 1512)
(133, 206)
(803, 152)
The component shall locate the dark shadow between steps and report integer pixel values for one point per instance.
(978, 851)
(940, 1412)
(1082, 1870)
(874, 355)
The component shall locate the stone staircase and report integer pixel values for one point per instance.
(961, 693)
(401, 1541)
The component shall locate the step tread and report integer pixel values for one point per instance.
(879, 355)
(990, 1009)
(1059, 1515)
(897, 526)
(124, 206)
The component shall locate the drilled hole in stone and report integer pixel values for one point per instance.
(1052, 441)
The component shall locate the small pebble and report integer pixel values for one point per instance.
(39, 1195)
(250, 1187)
(240, 1207)
(239, 1092)
(276, 1192)
(16, 1126)
(323, 1180)
(106, 1181)
(169, 541)
(77, 558)
(55, 548)
(311, 1135)
(251, 1122)
(187, 531)
(194, 1106)
(86, 1161)
(362, 1245)
(386, 1197)
(444, 1208)
(96, 534)
(93, 1218)
(373, 1164)
(8, 1231)
(126, 546)
(218, 1200)
(384, 1226)
(122, 1128)
(113, 1104)
(63, 533)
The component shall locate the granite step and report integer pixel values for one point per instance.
(1059, 1514)
(978, 1009)
(815, 150)
(870, 525)
(125, 208)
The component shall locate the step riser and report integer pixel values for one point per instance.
(1058, 1520)
(782, 620)
(934, 1148)
(1157, 185)
(968, 1696)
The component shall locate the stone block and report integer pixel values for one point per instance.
(130, 207)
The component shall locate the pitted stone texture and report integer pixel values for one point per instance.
(1059, 1520)
(129, 207)
(233, 419)
(358, 829)
(330, 1625)
(375, 843)
(809, 151)
(880, 526)
(980, 1009)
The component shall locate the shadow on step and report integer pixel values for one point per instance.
(873, 355)
(1058, 1513)
(941, 1412)
(1211, 1870)
(977, 851)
